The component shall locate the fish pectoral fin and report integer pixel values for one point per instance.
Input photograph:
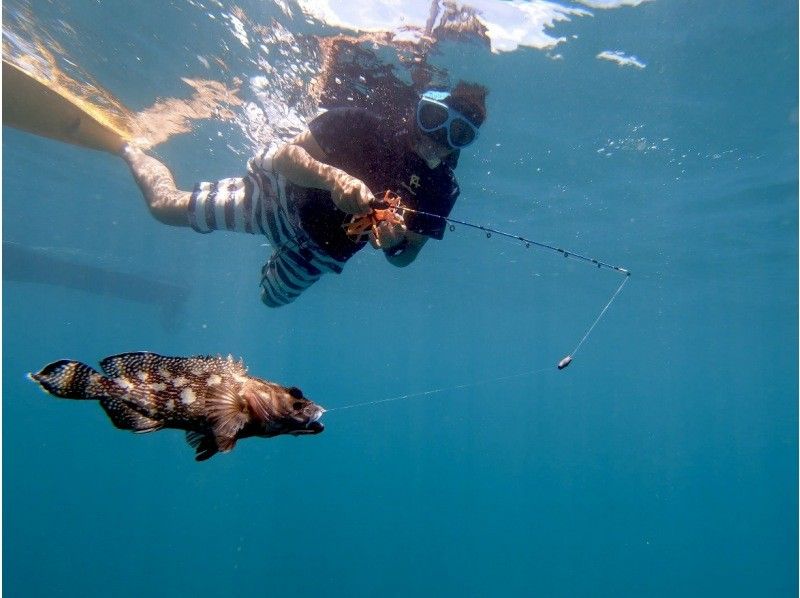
(225, 443)
(228, 414)
(204, 445)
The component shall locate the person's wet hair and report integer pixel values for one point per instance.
(469, 99)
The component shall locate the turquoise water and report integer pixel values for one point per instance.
(663, 461)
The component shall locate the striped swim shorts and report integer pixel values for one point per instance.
(257, 204)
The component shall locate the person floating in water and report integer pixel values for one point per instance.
(211, 398)
(304, 194)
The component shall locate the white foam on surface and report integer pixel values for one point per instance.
(621, 59)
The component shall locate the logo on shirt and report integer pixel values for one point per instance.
(413, 183)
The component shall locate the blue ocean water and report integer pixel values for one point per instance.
(663, 461)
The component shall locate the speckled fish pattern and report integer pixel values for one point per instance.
(212, 398)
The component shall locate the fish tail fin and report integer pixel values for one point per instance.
(75, 380)
(68, 379)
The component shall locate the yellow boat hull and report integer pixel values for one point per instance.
(30, 105)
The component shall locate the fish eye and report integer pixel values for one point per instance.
(297, 405)
(295, 392)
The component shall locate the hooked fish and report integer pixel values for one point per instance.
(211, 398)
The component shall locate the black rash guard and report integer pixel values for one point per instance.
(369, 148)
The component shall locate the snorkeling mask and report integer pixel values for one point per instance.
(433, 114)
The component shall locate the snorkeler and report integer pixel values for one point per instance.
(304, 195)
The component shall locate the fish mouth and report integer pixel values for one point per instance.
(313, 426)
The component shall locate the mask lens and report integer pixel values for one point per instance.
(461, 133)
(431, 116)
(439, 136)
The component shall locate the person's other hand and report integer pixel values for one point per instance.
(389, 234)
(351, 195)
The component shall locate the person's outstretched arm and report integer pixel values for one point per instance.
(166, 203)
(300, 161)
(303, 162)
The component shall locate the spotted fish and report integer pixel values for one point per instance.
(211, 398)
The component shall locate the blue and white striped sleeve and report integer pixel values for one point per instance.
(228, 204)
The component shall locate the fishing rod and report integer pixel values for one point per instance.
(528, 243)
(386, 208)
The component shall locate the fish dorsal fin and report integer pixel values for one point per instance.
(127, 365)
(162, 368)
(229, 365)
(228, 412)
(204, 445)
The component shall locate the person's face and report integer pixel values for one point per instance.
(430, 150)
(441, 128)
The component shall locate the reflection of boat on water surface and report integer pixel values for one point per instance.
(52, 267)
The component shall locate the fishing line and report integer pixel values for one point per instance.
(585, 336)
(426, 393)
(528, 243)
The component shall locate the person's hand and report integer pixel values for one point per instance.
(389, 235)
(351, 195)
